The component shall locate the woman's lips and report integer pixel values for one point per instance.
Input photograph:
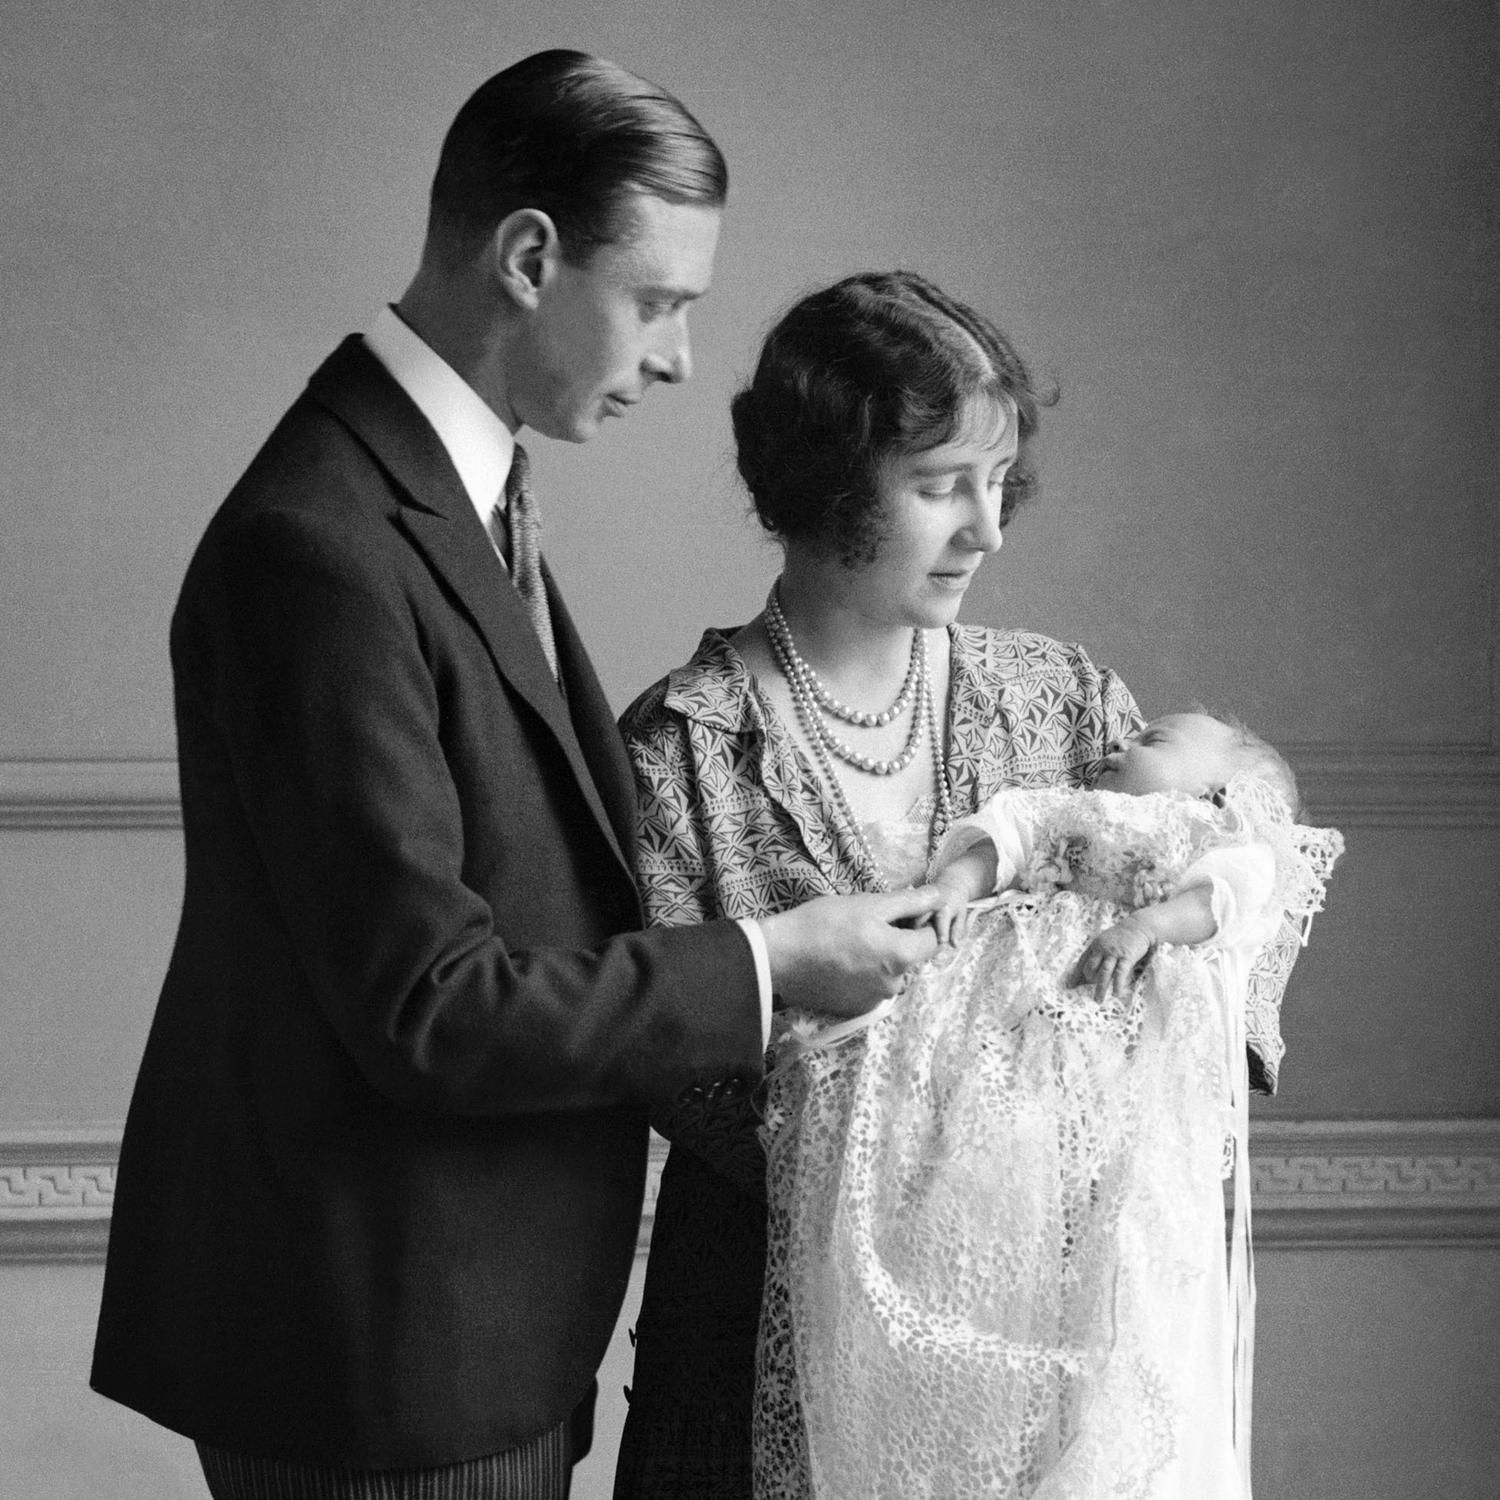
(955, 581)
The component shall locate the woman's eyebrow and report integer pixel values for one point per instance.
(933, 468)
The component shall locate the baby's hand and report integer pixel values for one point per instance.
(1115, 959)
(950, 919)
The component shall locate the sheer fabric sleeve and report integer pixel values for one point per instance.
(1002, 821)
(1242, 880)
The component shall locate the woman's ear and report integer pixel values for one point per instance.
(524, 253)
(1215, 795)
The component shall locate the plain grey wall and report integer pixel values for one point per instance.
(1254, 245)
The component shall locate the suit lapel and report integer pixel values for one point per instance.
(598, 734)
(442, 524)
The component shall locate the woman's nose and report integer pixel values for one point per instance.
(983, 532)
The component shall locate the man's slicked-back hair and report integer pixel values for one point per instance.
(573, 136)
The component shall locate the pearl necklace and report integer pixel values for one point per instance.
(806, 686)
(824, 699)
(826, 745)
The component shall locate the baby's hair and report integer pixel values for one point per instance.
(1259, 757)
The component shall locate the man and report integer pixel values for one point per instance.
(381, 1177)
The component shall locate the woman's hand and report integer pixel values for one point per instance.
(1116, 958)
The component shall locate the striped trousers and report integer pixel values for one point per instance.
(539, 1470)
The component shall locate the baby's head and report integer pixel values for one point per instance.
(1194, 753)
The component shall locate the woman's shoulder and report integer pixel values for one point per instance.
(712, 687)
(1021, 653)
(1028, 710)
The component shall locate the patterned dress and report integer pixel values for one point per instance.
(734, 823)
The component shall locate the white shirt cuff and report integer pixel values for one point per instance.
(757, 940)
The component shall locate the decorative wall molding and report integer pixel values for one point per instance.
(89, 794)
(1383, 786)
(1317, 1184)
(56, 1188)
(1396, 786)
(1342, 1183)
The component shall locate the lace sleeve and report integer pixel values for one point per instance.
(1304, 857)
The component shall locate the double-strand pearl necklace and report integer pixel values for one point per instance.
(831, 705)
(807, 687)
(827, 746)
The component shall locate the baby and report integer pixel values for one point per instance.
(1191, 753)
(997, 1259)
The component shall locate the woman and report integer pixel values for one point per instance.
(884, 442)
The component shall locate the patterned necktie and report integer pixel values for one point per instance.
(518, 515)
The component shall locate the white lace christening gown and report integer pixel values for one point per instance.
(997, 1262)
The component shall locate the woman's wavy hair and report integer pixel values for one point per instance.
(574, 136)
(878, 365)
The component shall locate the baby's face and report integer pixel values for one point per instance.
(1176, 753)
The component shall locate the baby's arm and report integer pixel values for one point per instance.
(1221, 896)
(979, 855)
(1115, 958)
(965, 878)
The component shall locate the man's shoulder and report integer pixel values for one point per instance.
(332, 453)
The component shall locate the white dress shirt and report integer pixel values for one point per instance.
(482, 448)
(479, 443)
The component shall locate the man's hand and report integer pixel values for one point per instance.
(843, 955)
(1115, 959)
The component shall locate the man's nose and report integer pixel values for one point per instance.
(672, 359)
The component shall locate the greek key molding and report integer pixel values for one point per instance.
(1316, 1184)
(1446, 786)
(56, 1192)
(1338, 1183)
(56, 1188)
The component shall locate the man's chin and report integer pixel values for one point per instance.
(573, 429)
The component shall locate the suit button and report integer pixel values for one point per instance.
(694, 1095)
(734, 1088)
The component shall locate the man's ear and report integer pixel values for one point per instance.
(525, 252)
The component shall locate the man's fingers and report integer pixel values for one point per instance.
(916, 945)
(909, 905)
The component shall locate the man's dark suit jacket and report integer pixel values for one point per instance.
(381, 1178)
